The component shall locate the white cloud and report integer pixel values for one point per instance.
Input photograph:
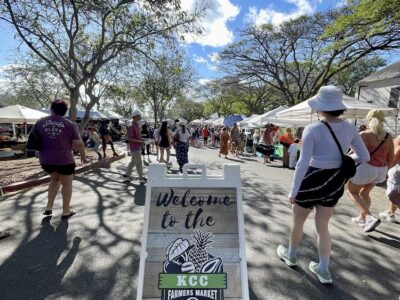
(214, 57)
(215, 30)
(204, 81)
(341, 3)
(199, 59)
(270, 15)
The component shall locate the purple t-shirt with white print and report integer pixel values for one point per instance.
(56, 135)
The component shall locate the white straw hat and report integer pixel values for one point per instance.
(329, 98)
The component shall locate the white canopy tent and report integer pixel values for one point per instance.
(248, 122)
(208, 122)
(196, 122)
(219, 122)
(356, 109)
(20, 114)
(269, 116)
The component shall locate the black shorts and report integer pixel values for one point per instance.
(323, 187)
(205, 138)
(60, 169)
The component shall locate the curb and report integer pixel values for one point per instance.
(45, 179)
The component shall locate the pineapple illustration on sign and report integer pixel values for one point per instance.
(191, 270)
(198, 255)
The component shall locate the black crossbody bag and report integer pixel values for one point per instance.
(349, 166)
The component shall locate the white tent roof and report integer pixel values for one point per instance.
(20, 114)
(197, 121)
(247, 122)
(391, 71)
(219, 121)
(268, 116)
(356, 109)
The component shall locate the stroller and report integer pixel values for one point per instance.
(266, 150)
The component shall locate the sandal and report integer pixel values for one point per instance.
(47, 212)
(4, 234)
(69, 215)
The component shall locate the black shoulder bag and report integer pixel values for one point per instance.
(349, 167)
(34, 142)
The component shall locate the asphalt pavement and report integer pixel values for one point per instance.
(95, 255)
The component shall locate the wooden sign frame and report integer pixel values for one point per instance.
(228, 182)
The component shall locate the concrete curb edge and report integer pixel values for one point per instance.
(16, 186)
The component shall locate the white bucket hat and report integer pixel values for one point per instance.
(136, 113)
(329, 98)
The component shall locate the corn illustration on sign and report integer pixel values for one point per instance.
(193, 240)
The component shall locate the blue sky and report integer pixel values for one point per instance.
(220, 25)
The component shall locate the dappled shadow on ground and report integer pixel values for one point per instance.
(104, 262)
(356, 258)
(37, 263)
(94, 255)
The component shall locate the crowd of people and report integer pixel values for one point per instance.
(318, 159)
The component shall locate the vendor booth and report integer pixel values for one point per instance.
(355, 109)
(18, 114)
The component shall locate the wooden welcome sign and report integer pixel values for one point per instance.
(193, 244)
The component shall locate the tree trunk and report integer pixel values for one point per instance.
(155, 116)
(73, 101)
(86, 118)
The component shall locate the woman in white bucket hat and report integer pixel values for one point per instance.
(318, 182)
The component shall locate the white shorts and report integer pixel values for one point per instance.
(369, 174)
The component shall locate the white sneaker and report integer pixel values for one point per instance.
(359, 221)
(388, 216)
(371, 223)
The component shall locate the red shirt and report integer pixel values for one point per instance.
(134, 133)
(205, 132)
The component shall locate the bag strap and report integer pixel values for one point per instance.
(381, 143)
(334, 137)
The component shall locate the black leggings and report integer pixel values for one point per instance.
(148, 150)
(105, 146)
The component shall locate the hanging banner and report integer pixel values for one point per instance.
(193, 245)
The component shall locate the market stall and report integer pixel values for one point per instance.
(355, 109)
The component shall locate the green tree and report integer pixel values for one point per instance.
(121, 99)
(187, 109)
(348, 78)
(78, 39)
(32, 84)
(296, 58)
(363, 19)
(164, 78)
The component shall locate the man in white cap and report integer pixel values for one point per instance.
(135, 142)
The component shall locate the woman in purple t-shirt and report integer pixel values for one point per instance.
(58, 136)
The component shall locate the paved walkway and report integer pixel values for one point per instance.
(95, 255)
